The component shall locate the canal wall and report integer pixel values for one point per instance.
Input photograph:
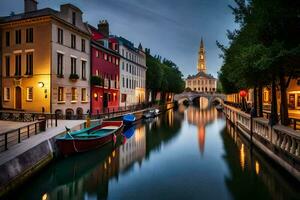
(25, 159)
(280, 143)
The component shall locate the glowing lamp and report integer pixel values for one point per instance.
(95, 95)
(243, 93)
(40, 84)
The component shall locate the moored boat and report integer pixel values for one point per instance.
(129, 119)
(89, 138)
(219, 108)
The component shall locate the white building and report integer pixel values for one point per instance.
(70, 62)
(132, 73)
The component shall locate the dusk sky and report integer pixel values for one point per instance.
(170, 28)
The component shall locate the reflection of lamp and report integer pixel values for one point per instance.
(40, 84)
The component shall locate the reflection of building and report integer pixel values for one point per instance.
(201, 118)
(134, 149)
(87, 180)
(201, 82)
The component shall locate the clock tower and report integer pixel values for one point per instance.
(201, 58)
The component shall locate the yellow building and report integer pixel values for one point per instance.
(40, 58)
(201, 82)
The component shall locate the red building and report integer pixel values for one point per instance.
(105, 61)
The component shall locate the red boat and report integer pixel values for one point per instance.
(89, 138)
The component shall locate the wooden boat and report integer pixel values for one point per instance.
(129, 119)
(89, 138)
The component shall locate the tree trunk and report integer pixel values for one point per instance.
(260, 101)
(274, 115)
(284, 114)
(255, 101)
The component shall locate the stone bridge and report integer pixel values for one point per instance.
(203, 96)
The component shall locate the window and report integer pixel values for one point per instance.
(97, 54)
(29, 94)
(122, 52)
(123, 82)
(73, 41)
(83, 45)
(126, 82)
(18, 65)
(117, 61)
(73, 65)
(60, 68)
(126, 67)
(83, 70)
(7, 66)
(73, 18)
(18, 36)
(123, 65)
(97, 72)
(60, 36)
(29, 63)
(6, 94)
(7, 38)
(83, 94)
(29, 35)
(105, 56)
(74, 94)
(123, 98)
(60, 94)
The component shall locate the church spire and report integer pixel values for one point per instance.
(201, 58)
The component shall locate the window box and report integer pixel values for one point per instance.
(96, 80)
(74, 77)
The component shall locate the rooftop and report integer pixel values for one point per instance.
(201, 74)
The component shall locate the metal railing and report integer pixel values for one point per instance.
(13, 137)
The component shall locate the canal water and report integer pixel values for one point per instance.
(184, 154)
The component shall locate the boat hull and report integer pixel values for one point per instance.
(77, 145)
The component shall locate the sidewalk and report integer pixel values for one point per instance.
(33, 141)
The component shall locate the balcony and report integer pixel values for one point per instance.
(74, 77)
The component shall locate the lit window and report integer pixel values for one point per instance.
(6, 94)
(60, 94)
(29, 94)
(74, 94)
(83, 94)
(97, 54)
(105, 56)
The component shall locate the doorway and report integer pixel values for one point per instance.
(18, 98)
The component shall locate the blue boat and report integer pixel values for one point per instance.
(129, 119)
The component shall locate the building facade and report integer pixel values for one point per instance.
(105, 61)
(46, 55)
(201, 82)
(132, 73)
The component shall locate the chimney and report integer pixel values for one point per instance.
(103, 28)
(30, 5)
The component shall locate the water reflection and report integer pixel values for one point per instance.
(201, 118)
(265, 179)
(160, 160)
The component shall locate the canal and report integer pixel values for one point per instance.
(184, 154)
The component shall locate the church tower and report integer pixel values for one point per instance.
(201, 58)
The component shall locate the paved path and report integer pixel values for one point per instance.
(37, 139)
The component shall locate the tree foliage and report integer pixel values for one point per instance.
(163, 75)
(266, 48)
